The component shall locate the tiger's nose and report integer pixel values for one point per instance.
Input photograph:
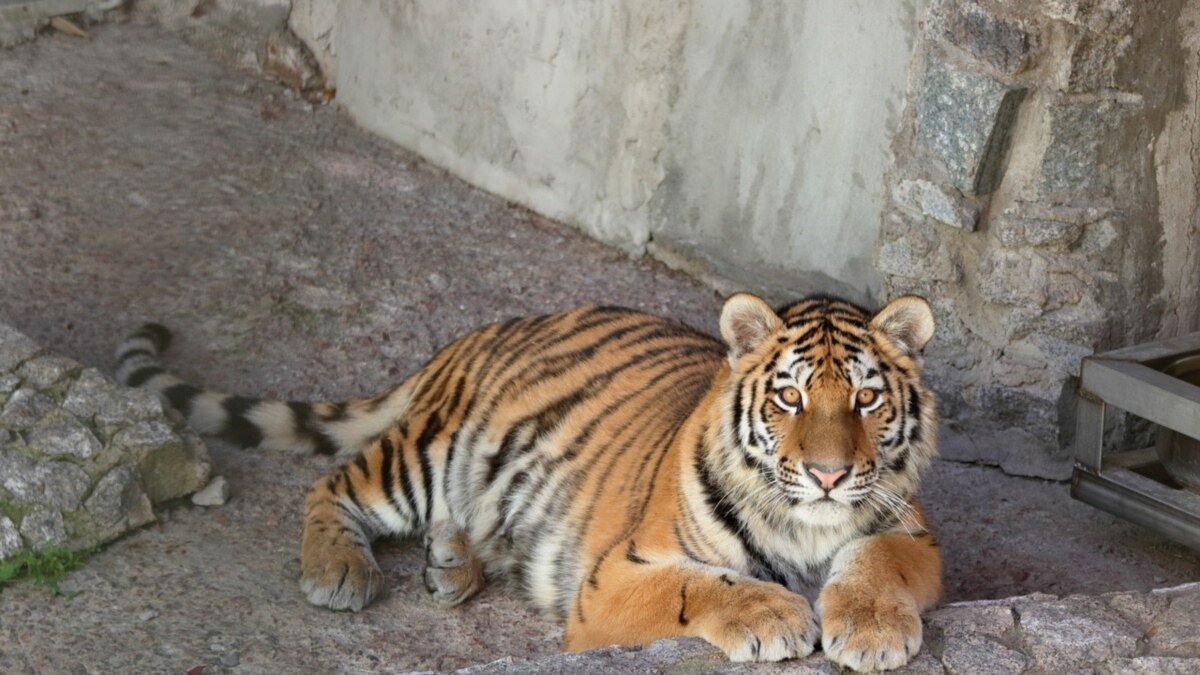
(828, 476)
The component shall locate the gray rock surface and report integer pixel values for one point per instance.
(74, 446)
(965, 119)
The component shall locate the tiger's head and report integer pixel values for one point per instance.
(826, 404)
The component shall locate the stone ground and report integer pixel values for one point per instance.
(297, 256)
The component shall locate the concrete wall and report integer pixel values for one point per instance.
(740, 139)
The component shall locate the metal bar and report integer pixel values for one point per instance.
(1089, 431)
(1176, 346)
(1145, 392)
(1121, 492)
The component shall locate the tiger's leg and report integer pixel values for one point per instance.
(630, 600)
(344, 512)
(453, 572)
(871, 606)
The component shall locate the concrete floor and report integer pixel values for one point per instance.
(298, 257)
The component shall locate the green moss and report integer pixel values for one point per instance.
(15, 512)
(44, 568)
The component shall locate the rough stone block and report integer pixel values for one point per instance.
(60, 435)
(10, 538)
(975, 655)
(59, 485)
(25, 407)
(941, 202)
(1078, 131)
(965, 119)
(967, 619)
(917, 254)
(1008, 46)
(44, 371)
(94, 396)
(1012, 278)
(118, 500)
(1150, 665)
(14, 348)
(1174, 632)
(43, 527)
(1074, 633)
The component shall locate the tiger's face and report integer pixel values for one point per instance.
(826, 402)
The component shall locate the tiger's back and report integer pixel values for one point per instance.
(539, 436)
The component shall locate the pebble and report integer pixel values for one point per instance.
(215, 493)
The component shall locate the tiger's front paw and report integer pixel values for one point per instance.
(340, 577)
(764, 622)
(865, 629)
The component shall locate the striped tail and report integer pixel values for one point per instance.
(325, 428)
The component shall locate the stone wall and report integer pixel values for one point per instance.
(1044, 196)
(82, 459)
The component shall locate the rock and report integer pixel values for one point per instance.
(10, 539)
(215, 493)
(1150, 665)
(975, 655)
(965, 119)
(94, 396)
(8, 383)
(1014, 278)
(915, 256)
(1050, 234)
(965, 619)
(1071, 162)
(118, 499)
(44, 371)
(1006, 45)
(941, 202)
(42, 528)
(143, 437)
(25, 407)
(1174, 632)
(1074, 633)
(60, 485)
(61, 435)
(14, 348)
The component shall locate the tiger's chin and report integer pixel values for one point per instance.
(823, 512)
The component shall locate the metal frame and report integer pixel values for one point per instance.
(1127, 379)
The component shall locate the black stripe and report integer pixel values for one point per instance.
(156, 333)
(181, 396)
(632, 556)
(386, 474)
(139, 377)
(683, 620)
(237, 427)
(406, 485)
(304, 418)
(139, 351)
(431, 430)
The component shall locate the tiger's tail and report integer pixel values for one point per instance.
(324, 428)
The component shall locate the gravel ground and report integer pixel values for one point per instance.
(299, 257)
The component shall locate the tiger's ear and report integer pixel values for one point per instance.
(907, 321)
(746, 321)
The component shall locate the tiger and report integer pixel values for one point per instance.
(633, 477)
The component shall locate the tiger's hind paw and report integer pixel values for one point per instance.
(453, 573)
(340, 578)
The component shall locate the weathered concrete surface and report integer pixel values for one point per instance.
(745, 137)
(82, 459)
(297, 256)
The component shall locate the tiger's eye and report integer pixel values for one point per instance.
(866, 397)
(789, 395)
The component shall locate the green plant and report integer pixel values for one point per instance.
(45, 568)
